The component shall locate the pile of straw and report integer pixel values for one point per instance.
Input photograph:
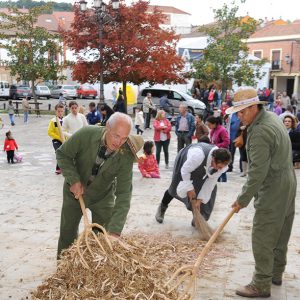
(137, 268)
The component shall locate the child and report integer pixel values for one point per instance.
(139, 120)
(11, 112)
(54, 132)
(148, 164)
(10, 146)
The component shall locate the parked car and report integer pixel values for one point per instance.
(85, 91)
(19, 91)
(176, 98)
(68, 91)
(42, 91)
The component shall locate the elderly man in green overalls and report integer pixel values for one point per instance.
(272, 182)
(97, 163)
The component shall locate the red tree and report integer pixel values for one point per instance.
(135, 49)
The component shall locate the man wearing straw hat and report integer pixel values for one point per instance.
(271, 182)
(97, 163)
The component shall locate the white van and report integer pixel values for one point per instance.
(176, 98)
(4, 90)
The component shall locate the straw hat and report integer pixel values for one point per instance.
(244, 97)
(135, 143)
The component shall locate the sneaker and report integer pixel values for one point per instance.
(58, 172)
(160, 214)
(167, 166)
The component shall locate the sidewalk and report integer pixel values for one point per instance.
(31, 199)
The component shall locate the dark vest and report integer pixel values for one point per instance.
(198, 176)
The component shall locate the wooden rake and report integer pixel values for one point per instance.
(83, 239)
(189, 272)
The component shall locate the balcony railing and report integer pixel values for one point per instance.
(276, 65)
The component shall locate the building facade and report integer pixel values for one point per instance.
(279, 43)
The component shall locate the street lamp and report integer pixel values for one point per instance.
(103, 17)
(288, 59)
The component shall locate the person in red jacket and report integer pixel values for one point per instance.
(10, 146)
(147, 163)
(218, 136)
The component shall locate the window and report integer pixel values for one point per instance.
(276, 59)
(177, 96)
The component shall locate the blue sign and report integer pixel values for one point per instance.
(190, 54)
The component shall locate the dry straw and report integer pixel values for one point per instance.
(205, 232)
(99, 266)
(137, 268)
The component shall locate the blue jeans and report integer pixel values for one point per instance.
(26, 116)
(11, 118)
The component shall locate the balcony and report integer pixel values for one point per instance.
(276, 65)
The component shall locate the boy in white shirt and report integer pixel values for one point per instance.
(73, 121)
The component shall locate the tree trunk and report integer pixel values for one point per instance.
(125, 95)
(33, 91)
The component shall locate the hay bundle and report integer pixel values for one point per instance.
(201, 225)
(135, 269)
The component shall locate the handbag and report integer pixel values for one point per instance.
(239, 141)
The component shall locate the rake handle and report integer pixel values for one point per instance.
(212, 239)
(83, 209)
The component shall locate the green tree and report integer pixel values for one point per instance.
(61, 6)
(32, 50)
(226, 56)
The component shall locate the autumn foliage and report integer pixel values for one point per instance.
(135, 49)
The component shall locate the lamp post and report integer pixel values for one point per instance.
(103, 17)
(288, 59)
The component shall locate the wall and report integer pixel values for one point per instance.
(286, 48)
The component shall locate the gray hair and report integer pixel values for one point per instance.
(184, 105)
(114, 118)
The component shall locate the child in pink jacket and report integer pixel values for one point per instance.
(148, 164)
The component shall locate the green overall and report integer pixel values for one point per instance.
(108, 196)
(272, 182)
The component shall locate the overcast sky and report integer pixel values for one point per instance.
(202, 10)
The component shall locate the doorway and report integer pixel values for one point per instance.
(290, 86)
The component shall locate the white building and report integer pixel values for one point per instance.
(176, 19)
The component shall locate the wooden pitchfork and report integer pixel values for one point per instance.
(83, 239)
(189, 272)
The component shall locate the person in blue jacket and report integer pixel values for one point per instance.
(234, 126)
(93, 117)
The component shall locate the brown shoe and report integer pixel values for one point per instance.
(250, 291)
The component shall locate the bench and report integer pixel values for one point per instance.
(36, 108)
